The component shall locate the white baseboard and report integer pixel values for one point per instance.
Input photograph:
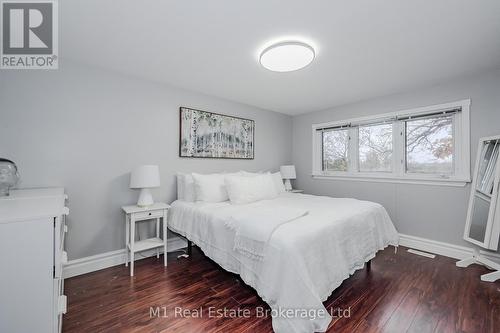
(113, 258)
(441, 248)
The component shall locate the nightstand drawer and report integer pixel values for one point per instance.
(148, 215)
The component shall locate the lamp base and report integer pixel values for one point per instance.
(145, 198)
(288, 185)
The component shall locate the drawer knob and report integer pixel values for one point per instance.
(149, 213)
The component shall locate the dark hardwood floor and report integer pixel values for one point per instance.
(401, 293)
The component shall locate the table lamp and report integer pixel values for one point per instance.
(287, 173)
(145, 177)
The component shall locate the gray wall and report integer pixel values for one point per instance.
(433, 212)
(85, 129)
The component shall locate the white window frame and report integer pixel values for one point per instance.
(461, 146)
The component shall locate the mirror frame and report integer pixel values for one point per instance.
(492, 233)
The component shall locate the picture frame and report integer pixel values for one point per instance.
(204, 134)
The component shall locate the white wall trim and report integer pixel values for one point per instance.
(441, 248)
(112, 258)
(396, 180)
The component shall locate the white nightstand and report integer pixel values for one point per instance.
(296, 191)
(135, 214)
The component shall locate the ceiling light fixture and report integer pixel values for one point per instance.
(287, 56)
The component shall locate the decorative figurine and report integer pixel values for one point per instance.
(8, 176)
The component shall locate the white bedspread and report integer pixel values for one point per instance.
(255, 224)
(306, 259)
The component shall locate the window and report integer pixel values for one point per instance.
(424, 145)
(429, 145)
(375, 148)
(335, 149)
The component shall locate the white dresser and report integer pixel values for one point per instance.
(32, 232)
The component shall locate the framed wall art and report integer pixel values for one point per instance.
(211, 135)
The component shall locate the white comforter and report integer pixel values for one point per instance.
(255, 224)
(306, 259)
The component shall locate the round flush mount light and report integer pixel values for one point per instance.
(287, 56)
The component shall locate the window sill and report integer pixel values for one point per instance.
(454, 182)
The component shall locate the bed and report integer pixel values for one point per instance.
(306, 259)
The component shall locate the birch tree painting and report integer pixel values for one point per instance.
(212, 135)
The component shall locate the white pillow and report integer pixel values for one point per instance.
(185, 187)
(250, 174)
(180, 186)
(210, 188)
(244, 189)
(278, 182)
(189, 192)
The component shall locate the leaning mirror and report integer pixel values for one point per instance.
(481, 219)
(482, 227)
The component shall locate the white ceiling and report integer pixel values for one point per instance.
(364, 48)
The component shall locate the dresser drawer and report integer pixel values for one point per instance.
(148, 215)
